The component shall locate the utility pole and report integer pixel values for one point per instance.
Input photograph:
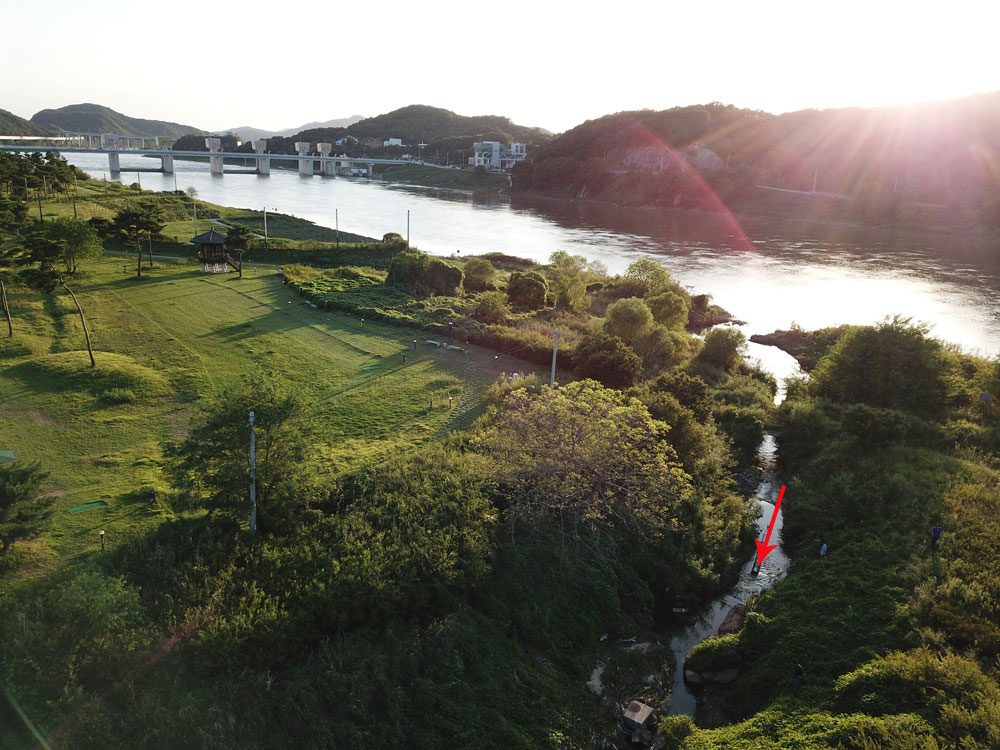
(253, 481)
(39, 196)
(336, 216)
(265, 227)
(407, 229)
(555, 348)
(195, 219)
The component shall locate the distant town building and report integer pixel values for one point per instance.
(392, 142)
(494, 155)
(370, 142)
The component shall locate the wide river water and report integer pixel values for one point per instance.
(767, 276)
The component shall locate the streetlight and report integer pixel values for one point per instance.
(102, 539)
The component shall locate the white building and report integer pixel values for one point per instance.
(494, 155)
(392, 142)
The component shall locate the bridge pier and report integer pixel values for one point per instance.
(306, 168)
(326, 168)
(262, 159)
(214, 146)
(110, 143)
(165, 143)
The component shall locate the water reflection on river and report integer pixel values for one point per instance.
(830, 277)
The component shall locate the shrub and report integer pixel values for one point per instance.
(527, 290)
(607, 359)
(118, 396)
(492, 308)
(479, 274)
(723, 348)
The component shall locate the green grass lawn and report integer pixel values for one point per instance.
(174, 339)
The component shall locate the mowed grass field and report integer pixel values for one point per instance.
(175, 339)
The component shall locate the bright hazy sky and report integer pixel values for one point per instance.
(275, 65)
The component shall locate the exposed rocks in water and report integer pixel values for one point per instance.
(747, 478)
(806, 346)
(703, 314)
(734, 619)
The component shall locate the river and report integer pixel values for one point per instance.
(779, 277)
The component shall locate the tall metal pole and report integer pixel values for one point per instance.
(39, 196)
(265, 227)
(253, 481)
(407, 229)
(196, 219)
(555, 348)
(336, 216)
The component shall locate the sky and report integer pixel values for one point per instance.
(541, 63)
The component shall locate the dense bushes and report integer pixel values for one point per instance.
(423, 275)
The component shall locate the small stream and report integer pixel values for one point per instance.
(775, 566)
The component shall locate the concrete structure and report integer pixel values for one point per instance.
(263, 161)
(166, 144)
(494, 155)
(392, 142)
(326, 168)
(306, 168)
(214, 146)
(110, 144)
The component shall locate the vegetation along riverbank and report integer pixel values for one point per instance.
(444, 551)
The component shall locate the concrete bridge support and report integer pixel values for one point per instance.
(326, 168)
(214, 146)
(262, 159)
(165, 143)
(306, 168)
(109, 141)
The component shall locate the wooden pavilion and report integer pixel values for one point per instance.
(213, 254)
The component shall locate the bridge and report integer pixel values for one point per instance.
(325, 163)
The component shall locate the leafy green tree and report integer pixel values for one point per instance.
(45, 253)
(78, 240)
(649, 273)
(607, 359)
(723, 348)
(13, 219)
(570, 293)
(212, 464)
(670, 309)
(136, 220)
(628, 319)
(238, 241)
(479, 274)
(565, 263)
(527, 290)
(23, 512)
(584, 457)
(492, 309)
(892, 365)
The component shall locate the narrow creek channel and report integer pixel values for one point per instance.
(775, 566)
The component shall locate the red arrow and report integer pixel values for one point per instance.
(763, 548)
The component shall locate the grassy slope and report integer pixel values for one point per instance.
(195, 333)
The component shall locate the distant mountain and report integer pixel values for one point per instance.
(11, 124)
(95, 118)
(419, 122)
(253, 134)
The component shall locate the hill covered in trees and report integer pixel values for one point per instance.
(449, 136)
(11, 124)
(96, 118)
(882, 165)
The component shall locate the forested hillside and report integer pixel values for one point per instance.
(95, 118)
(11, 124)
(889, 163)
